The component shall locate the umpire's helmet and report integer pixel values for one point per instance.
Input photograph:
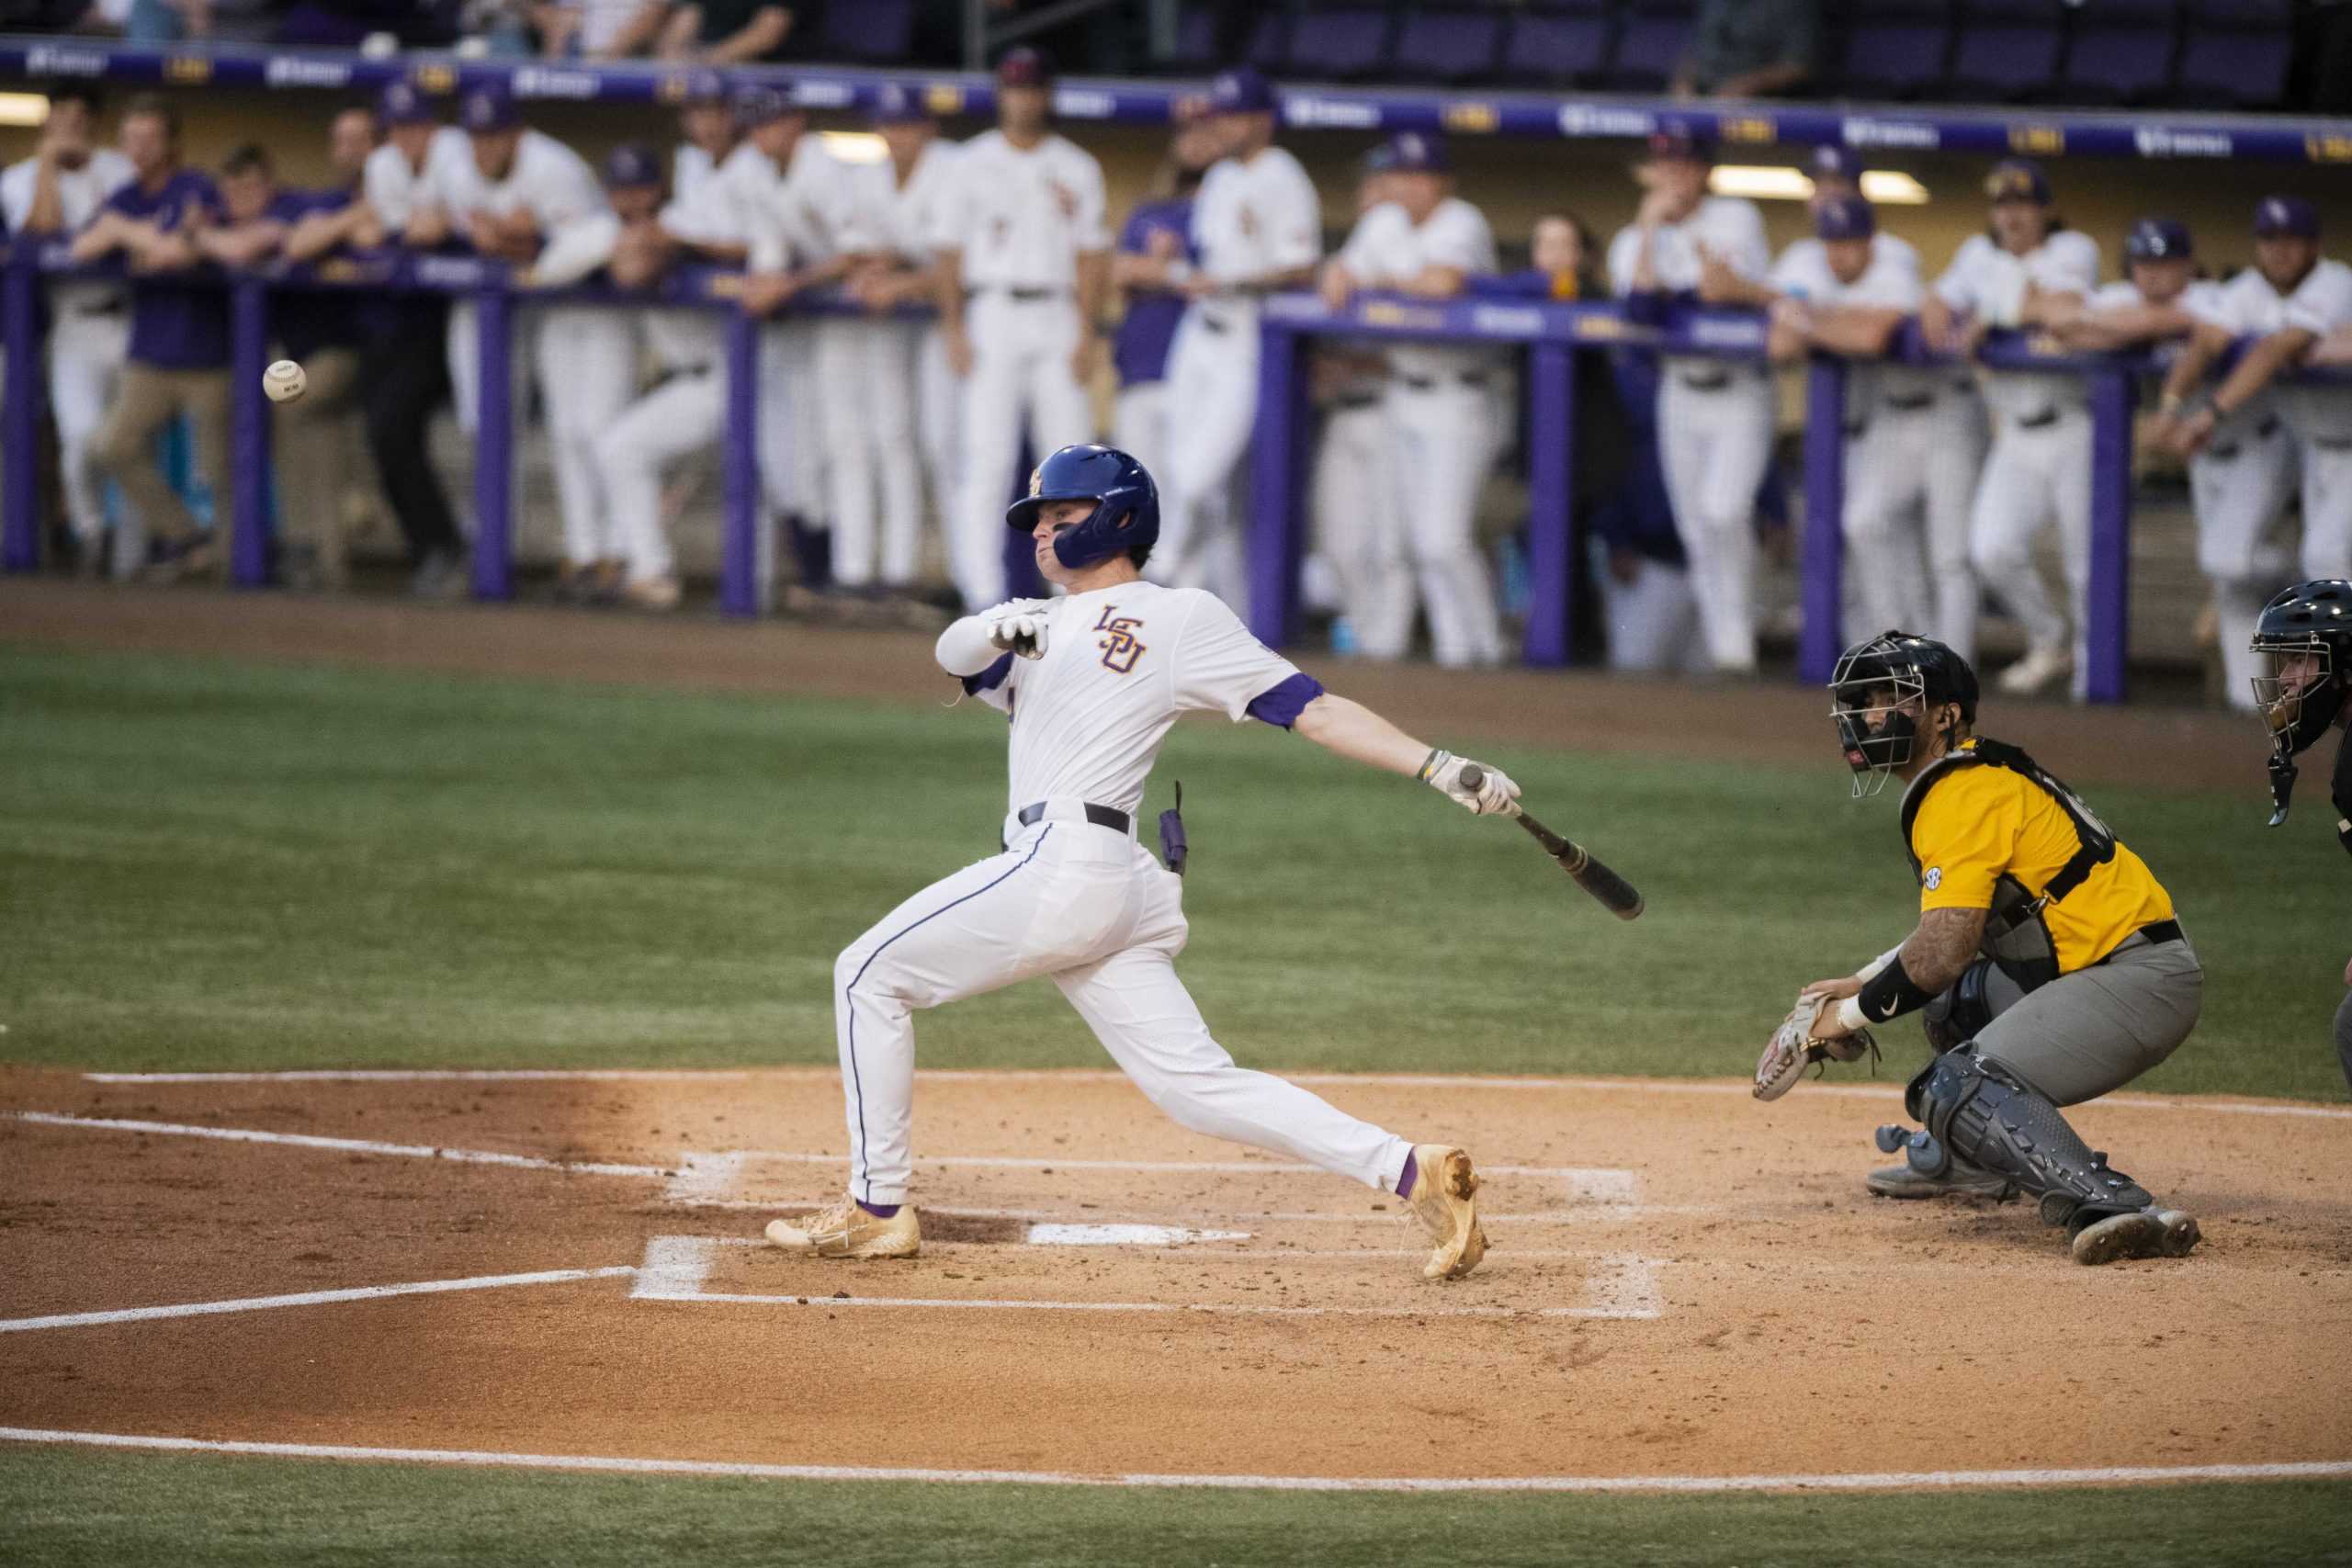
(2299, 700)
(1125, 519)
(1876, 738)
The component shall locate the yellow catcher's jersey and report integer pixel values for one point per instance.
(1979, 825)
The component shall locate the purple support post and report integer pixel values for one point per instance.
(494, 444)
(1275, 475)
(2108, 613)
(1551, 504)
(20, 416)
(1823, 548)
(739, 545)
(248, 435)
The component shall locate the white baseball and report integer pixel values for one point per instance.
(283, 381)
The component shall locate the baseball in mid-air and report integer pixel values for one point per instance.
(283, 381)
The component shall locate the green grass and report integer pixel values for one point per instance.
(210, 864)
(66, 1509)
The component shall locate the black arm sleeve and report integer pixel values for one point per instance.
(1890, 993)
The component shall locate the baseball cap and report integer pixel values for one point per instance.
(1240, 91)
(1683, 141)
(2158, 239)
(1022, 67)
(895, 104)
(2286, 215)
(1417, 152)
(1844, 218)
(702, 86)
(1838, 164)
(755, 106)
(2018, 179)
(488, 107)
(632, 164)
(401, 104)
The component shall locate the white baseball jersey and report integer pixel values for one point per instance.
(919, 206)
(1893, 249)
(1120, 664)
(1256, 217)
(395, 188)
(1021, 218)
(547, 180)
(1386, 247)
(1988, 282)
(2248, 306)
(2321, 304)
(691, 168)
(1728, 226)
(680, 337)
(778, 214)
(80, 192)
(1889, 282)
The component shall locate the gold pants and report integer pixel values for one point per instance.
(314, 441)
(150, 397)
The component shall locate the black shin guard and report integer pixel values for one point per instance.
(1984, 1113)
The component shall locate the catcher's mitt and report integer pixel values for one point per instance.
(1794, 1048)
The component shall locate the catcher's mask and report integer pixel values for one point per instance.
(2302, 648)
(1877, 694)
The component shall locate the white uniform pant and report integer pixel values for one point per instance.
(587, 376)
(791, 438)
(1094, 910)
(2327, 506)
(1714, 445)
(1360, 529)
(85, 355)
(939, 423)
(682, 415)
(1891, 479)
(868, 370)
(1139, 426)
(2240, 485)
(465, 360)
(1020, 371)
(2032, 475)
(1213, 377)
(1955, 459)
(1652, 619)
(1441, 436)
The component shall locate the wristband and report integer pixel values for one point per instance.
(1431, 764)
(1890, 994)
(1850, 1015)
(1870, 971)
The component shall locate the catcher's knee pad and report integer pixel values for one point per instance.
(1985, 1114)
(1962, 1013)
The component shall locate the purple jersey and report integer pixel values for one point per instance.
(304, 322)
(174, 324)
(1141, 352)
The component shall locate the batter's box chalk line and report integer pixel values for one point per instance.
(677, 1268)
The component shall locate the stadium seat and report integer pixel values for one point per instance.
(1338, 43)
(1895, 48)
(871, 31)
(1447, 46)
(1650, 48)
(1558, 42)
(2121, 53)
(1197, 49)
(2234, 53)
(2008, 50)
(1269, 39)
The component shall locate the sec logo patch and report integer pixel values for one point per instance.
(1934, 879)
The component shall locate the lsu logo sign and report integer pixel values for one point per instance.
(2048, 140)
(1119, 644)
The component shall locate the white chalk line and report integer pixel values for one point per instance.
(346, 1146)
(310, 1298)
(1607, 1214)
(1880, 1480)
(1075, 1075)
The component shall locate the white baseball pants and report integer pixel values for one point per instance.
(684, 414)
(85, 355)
(1442, 439)
(1714, 445)
(1955, 458)
(1653, 621)
(2240, 485)
(939, 423)
(1213, 377)
(1020, 352)
(1139, 426)
(1898, 468)
(792, 439)
(587, 362)
(1360, 528)
(2032, 475)
(1090, 908)
(875, 477)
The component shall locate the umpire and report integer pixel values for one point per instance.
(2303, 686)
(2047, 959)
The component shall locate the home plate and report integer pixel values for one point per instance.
(1123, 1236)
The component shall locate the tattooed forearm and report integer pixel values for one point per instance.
(1942, 946)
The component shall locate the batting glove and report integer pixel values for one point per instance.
(1018, 627)
(1495, 794)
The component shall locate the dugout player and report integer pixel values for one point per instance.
(2047, 958)
(2302, 688)
(1091, 683)
(1153, 254)
(2026, 268)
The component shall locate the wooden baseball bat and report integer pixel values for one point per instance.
(1617, 895)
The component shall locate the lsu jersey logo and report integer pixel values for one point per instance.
(1064, 197)
(1120, 649)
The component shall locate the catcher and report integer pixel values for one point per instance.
(2047, 963)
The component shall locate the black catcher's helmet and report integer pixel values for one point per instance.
(1873, 680)
(2302, 648)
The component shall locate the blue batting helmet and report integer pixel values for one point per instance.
(1126, 504)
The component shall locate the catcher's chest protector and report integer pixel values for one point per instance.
(2016, 937)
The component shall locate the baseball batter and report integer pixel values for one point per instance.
(1257, 225)
(1092, 682)
(1425, 241)
(1025, 266)
(2024, 272)
(1715, 417)
(53, 193)
(2047, 957)
(2302, 651)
